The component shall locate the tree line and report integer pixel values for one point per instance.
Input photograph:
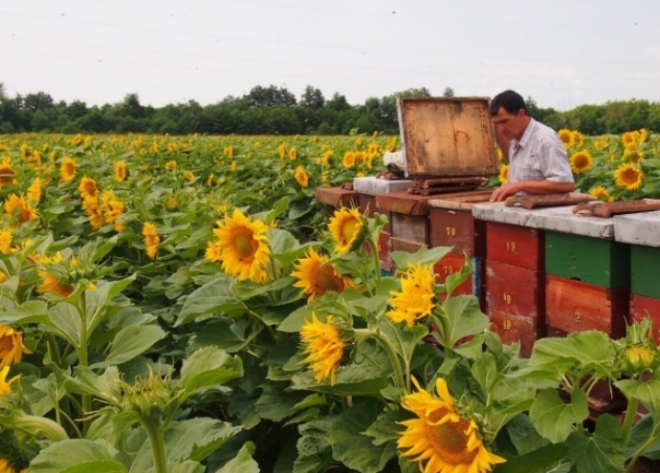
(276, 110)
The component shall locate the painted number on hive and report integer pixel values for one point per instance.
(511, 246)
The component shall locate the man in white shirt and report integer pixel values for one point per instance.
(537, 159)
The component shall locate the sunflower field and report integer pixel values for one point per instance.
(181, 305)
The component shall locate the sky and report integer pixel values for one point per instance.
(560, 53)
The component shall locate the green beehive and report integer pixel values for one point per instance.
(598, 261)
(644, 265)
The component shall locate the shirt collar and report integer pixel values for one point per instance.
(527, 134)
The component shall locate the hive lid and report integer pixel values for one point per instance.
(447, 136)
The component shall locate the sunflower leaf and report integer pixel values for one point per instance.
(553, 418)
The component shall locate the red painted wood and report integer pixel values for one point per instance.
(452, 263)
(515, 290)
(384, 248)
(336, 197)
(642, 307)
(574, 306)
(514, 328)
(458, 228)
(518, 246)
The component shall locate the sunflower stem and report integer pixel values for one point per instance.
(394, 359)
(258, 317)
(446, 330)
(375, 256)
(631, 412)
(83, 360)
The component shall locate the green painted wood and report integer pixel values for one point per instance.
(597, 261)
(644, 264)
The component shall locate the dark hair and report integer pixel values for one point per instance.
(509, 100)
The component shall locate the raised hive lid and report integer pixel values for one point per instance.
(447, 136)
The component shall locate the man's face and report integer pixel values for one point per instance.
(510, 125)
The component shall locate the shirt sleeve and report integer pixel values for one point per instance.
(554, 162)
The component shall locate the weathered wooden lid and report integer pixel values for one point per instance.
(447, 136)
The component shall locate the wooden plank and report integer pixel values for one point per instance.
(441, 182)
(573, 306)
(403, 203)
(607, 209)
(442, 190)
(464, 202)
(518, 246)
(548, 200)
(447, 136)
(336, 197)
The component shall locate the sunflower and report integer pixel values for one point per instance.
(120, 170)
(636, 156)
(316, 278)
(360, 156)
(5, 386)
(630, 138)
(293, 154)
(440, 439)
(629, 176)
(171, 203)
(210, 180)
(233, 166)
(281, 150)
(349, 159)
(6, 235)
(324, 348)
(11, 346)
(229, 151)
(565, 136)
(245, 251)
(581, 161)
(415, 300)
(599, 192)
(88, 188)
(50, 283)
(577, 140)
(76, 140)
(643, 135)
(301, 176)
(93, 211)
(170, 165)
(68, 169)
(213, 252)
(504, 174)
(188, 176)
(36, 189)
(347, 229)
(7, 173)
(25, 210)
(372, 150)
(151, 239)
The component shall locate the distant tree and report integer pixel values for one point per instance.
(76, 109)
(131, 106)
(270, 97)
(338, 102)
(448, 92)
(2, 90)
(38, 101)
(312, 98)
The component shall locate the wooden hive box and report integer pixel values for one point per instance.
(587, 274)
(448, 138)
(335, 198)
(515, 272)
(641, 231)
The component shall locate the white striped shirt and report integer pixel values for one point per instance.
(539, 155)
